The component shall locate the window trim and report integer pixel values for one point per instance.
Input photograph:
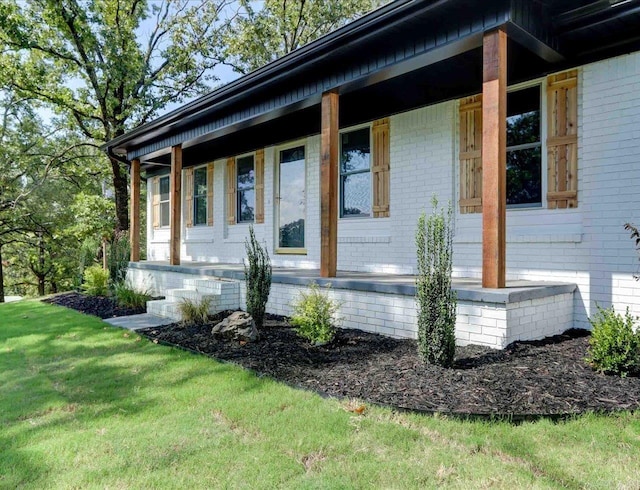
(195, 196)
(252, 154)
(161, 201)
(351, 129)
(276, 198)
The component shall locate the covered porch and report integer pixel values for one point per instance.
(383, 303)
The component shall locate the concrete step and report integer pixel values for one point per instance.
(195, 295)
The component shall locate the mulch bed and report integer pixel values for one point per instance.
(527, 379)
(93, 305)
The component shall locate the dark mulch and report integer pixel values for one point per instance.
(93, 305)
(548, 377)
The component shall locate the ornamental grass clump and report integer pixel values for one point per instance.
(257, 275)
(314, 315)
(614, 343)
(128, 296)
(194, 311)
(435, 300)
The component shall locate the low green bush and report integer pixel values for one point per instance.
(615, 345)
(194, 311)
(96, 281)
(314, 315)
(130, 297)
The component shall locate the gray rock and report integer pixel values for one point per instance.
(237, 326)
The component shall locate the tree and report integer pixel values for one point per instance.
(257, 37)
(105, 66)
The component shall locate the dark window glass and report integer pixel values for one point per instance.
(200, 196)
(292, 200)
(164, 201)
(524, 148)
(245, 189)
(355, 173)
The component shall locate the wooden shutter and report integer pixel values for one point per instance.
(471, 154)
(380, 168)
(562, 140)
(210, 194)
(188, 203)
(155, 193)
(259, 174)
(231, 191)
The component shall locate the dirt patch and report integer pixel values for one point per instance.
(93, 305)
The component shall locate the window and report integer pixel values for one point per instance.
(164, 201)
(291, 209)
(245, 189)
(200, 196)
(524, 148)
(355, 173)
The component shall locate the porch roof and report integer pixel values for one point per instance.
(407, 54)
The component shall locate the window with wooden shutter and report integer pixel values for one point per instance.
(380, 168)
(210, 194)
(155, 193)
(188, 204)
(231, 191)
(259, 175)
(562, 140)
(471, 154)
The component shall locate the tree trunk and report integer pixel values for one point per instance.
(1, 277)
(41, 276)
(120, 187)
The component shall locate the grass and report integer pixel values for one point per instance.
(86, 405)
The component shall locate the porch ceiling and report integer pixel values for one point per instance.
(403, 56)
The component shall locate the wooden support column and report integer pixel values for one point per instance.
(494, 158)
(175, 184)
(134, 226)
(329, 185)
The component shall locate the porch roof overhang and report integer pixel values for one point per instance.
(407, 54)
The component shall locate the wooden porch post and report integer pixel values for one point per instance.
(329, 185)
(134, 227)
(494, 158)
(175, 183)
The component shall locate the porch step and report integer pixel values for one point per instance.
(223, 293)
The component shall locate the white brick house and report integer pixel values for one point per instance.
(265, 156)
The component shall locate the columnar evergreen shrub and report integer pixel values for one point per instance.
(435, 299)
(257, 275)
(118, 254)
(614, 345)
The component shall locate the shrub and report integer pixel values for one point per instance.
(314, 315)
(194, 311)
(127, 296)
(258, 278)
(635, 236)
(435, 299)
(87, 255)
(615, 346)
(96, 281)
(118, 255)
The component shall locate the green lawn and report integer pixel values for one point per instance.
(85, 405)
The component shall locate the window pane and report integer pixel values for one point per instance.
(292, 155)
(246, 178)
(200, 210)
(291, 206)
(200, 181)
(246, 203)
(164, 189)
(164, 214)
(355, 151)
(523, 116)
(524, 176)
(356, 194)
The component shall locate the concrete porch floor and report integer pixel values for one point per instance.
(468, 289)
